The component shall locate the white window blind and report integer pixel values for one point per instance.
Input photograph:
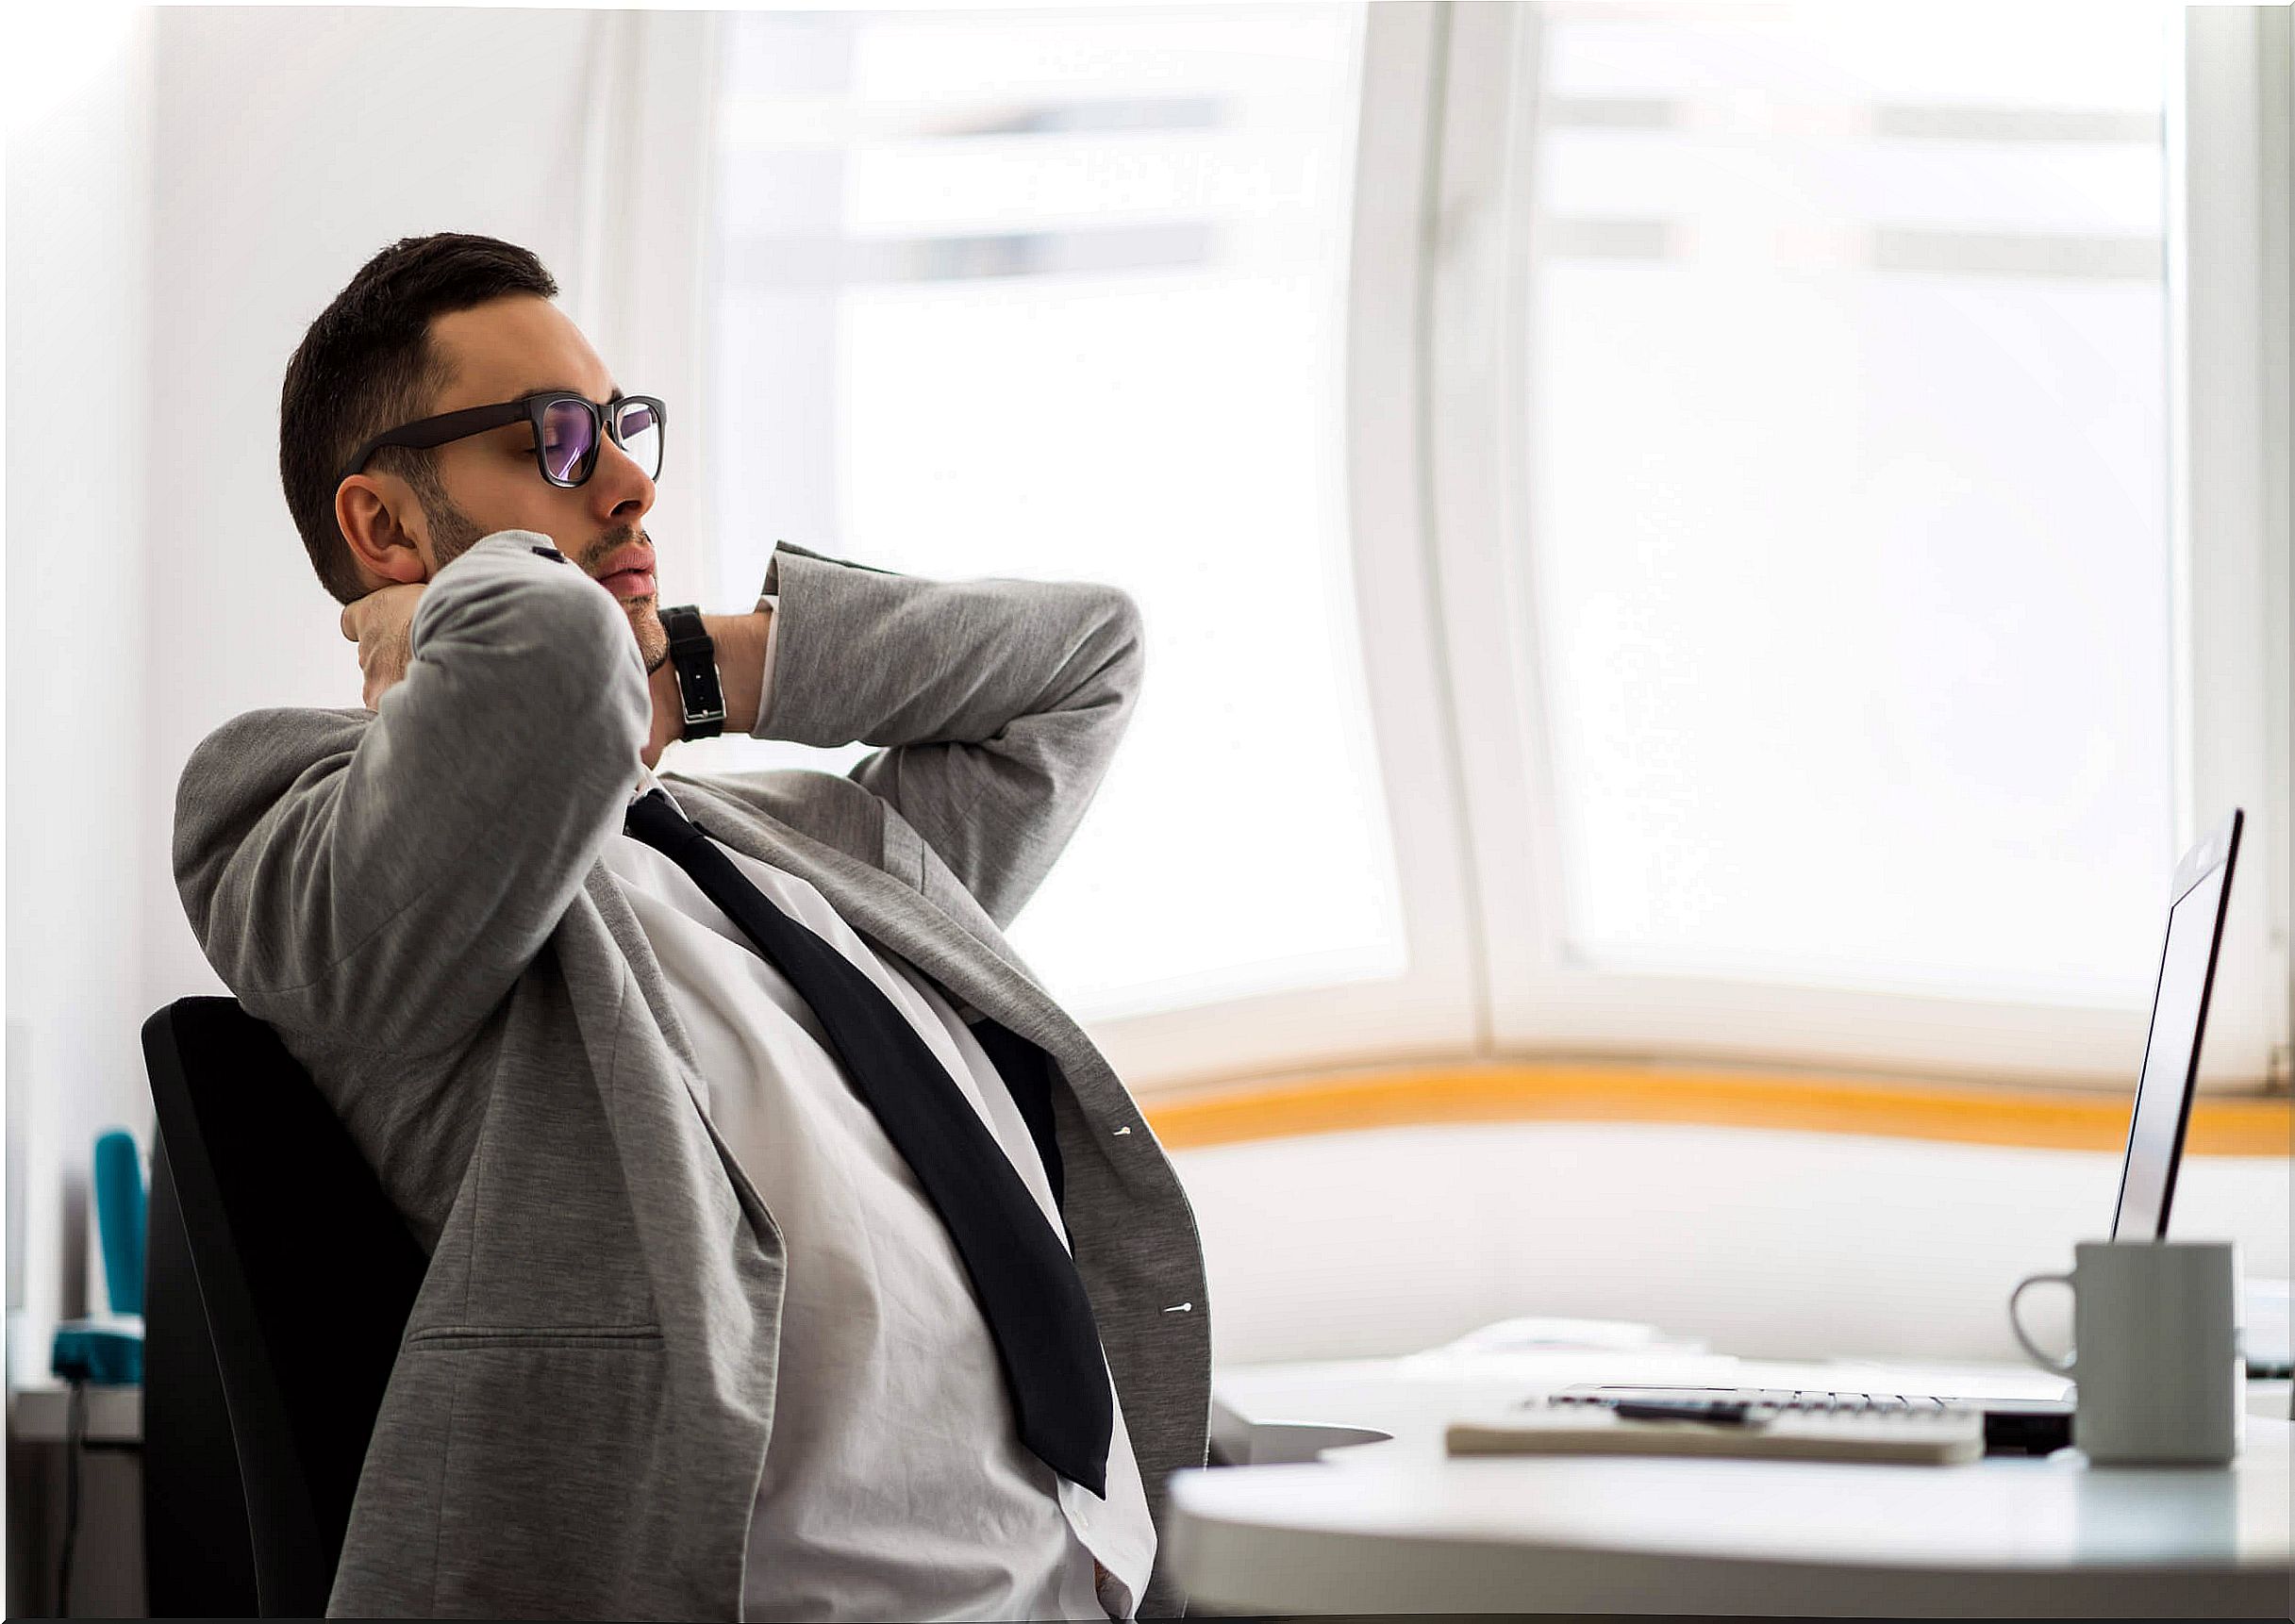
(1062, 294)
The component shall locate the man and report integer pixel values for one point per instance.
(792, 1255)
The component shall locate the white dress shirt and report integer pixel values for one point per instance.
(895, 1484)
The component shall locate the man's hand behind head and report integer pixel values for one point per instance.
(381, 624)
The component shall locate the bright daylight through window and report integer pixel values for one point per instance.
(1846, 491)
(1062, 294)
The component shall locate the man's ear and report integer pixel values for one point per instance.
(382, 522)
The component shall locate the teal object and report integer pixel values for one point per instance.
(103, 1353)
(106, 1349)
(118, 1218)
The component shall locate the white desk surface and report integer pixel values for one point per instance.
(1399, 1527)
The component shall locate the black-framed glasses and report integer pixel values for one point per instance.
(566, 430)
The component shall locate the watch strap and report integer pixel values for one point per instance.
(694, 654)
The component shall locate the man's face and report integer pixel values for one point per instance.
(501, 350)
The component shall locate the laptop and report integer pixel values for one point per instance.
(2164, 1090)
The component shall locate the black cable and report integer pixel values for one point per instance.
(76, 1438)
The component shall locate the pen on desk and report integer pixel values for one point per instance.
(1725, 1414)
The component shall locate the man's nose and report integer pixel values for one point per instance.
(619, 483)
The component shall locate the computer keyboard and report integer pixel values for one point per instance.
(1757, 1422)
(1761, 1402)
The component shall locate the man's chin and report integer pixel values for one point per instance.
(653, 637)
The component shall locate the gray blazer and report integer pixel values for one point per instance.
(577, 1422)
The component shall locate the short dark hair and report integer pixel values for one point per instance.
(367, 364)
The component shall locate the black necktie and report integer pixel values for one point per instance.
(1027, 1285)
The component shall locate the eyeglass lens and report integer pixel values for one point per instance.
(569, 439)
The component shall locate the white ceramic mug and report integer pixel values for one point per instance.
(2155, 1349)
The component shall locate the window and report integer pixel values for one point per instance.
(1844, 644)
(1846, 492)
(1063, 294)
(1712, 533)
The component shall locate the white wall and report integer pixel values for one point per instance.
(1784, 1245)
(78, 316)
(191, 188)
(371, 125)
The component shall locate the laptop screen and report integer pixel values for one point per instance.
(2171, 1054)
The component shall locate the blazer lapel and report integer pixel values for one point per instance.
(604, 893)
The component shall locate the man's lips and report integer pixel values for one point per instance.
(629, 572)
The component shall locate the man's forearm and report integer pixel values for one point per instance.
(741, 663)
(741, 673)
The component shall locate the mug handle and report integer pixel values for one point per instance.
(2061, 1367)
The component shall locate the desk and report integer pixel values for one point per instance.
(1398, 1527)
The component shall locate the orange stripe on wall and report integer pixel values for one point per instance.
(1559, 1093)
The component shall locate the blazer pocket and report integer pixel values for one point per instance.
(544, 1457)
(445, 1338)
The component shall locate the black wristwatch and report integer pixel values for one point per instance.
(693, 651)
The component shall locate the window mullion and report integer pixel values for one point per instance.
(1473, 344)
(1387, 448)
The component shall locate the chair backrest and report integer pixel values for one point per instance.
(197, 1559)
(306, 1274)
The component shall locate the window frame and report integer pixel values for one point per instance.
(2224, 167)
(1434, 413)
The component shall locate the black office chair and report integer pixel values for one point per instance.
(279, 1281)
